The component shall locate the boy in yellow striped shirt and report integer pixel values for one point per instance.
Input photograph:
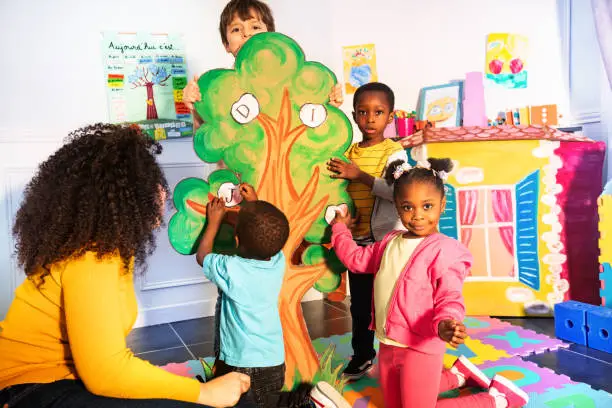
(376, 215)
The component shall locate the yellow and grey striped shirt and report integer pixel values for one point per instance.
(371, 160)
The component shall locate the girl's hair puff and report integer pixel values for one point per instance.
(419, 174)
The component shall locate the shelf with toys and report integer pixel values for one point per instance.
(461, 104)
(515, 124)
(432, 134)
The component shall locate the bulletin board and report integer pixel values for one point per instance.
(144, 77)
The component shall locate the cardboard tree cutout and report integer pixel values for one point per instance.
(270, 122)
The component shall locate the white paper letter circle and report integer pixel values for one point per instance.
(245, 109)
(230, 193)
(313, 115)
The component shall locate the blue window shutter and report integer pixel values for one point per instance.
(448, 220)
(526, 232)
(411, 161)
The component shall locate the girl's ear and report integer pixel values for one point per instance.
(443, 203)
(390, 118)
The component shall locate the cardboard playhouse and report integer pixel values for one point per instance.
(523, 199)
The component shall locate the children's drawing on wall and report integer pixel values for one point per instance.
(269, 120)
(506, 57)
(359, 66)
(144, 76)
(441, 104)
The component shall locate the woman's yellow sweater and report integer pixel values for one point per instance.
(74, 326)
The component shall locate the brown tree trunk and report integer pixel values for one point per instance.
(300, 356)
(276, 186)
(151, 109)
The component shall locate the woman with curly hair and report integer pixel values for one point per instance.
(86, 222)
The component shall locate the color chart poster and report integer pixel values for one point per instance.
(144, 77)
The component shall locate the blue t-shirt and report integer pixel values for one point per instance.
(251, 333)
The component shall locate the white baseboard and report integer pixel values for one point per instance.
(192, 310)
(168, 313)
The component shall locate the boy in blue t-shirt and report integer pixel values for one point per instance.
(251, 340)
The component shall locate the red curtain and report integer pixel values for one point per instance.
(468, 203)
(501, 201)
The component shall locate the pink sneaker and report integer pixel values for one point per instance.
(472, 374)
(503, 387)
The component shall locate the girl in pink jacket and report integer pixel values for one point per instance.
(418, 305)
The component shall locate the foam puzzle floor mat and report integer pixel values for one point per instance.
(494, 346)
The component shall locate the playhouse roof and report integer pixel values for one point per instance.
(476, 133)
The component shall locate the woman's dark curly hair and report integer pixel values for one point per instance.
(99, 192)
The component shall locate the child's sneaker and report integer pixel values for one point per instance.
(472, 375)
(357, 368)
(501, 387)
(323, 395)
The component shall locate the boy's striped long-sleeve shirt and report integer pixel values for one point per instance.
(374, 207)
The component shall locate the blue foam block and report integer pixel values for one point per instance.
(571, 321)
(600, 329)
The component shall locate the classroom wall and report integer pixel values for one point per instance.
(53, 58)
(422, 43)
(56, 53)
(53, 82)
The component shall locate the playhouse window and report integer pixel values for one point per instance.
(486, 225)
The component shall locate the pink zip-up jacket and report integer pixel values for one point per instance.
(427, 291)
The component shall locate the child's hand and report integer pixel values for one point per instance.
(248, 192)
(342, 169)
(191, 93)
(335, 96)
(224, 391)
(344, 217)
(215, 211)
(452, 332)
